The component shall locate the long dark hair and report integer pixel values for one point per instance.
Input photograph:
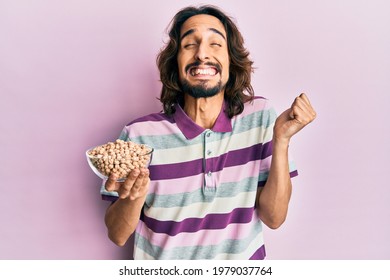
(238, 88)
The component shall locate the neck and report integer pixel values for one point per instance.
(203, 111)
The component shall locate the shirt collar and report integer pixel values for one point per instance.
(190, 129)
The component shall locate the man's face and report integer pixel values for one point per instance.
(203, 57)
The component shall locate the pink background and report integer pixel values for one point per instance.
(73, 73)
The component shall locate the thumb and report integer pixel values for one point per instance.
(286, 116)
(111, 183)
(291, 113)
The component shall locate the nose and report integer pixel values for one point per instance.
(202, 52)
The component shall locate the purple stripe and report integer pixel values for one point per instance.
(109, 198)
(259, 254)
(242, 156)
(195, 167)
(260, 184)
(176, 170)
(210, 221)
(292, 175)
(157, 117)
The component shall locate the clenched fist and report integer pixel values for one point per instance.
(300, 114)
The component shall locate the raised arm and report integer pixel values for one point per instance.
(274, 197)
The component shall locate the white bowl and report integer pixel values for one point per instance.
(93, 160)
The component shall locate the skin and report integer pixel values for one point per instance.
(274, 197)
(203, 40)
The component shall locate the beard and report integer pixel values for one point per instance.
(201, 90)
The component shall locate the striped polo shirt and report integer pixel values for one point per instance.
(201, 200)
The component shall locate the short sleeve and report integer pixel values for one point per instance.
(268, 121)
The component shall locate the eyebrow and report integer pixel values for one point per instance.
(211, 29)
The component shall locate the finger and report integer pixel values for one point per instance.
(137, 184)
(302, 114)
(297, 107)
(146, 179)
(303, 103)
(140, 185)
(144, 190)
(111, 183)
(310, 108)
(145, 184)
(291, 112)
(296, 114)
(305, 98)
(128, 184)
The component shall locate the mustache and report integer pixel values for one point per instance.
(197, 63)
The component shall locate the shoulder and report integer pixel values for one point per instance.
(259, 105)
(258, 112)
(154, 117)
(149, 125)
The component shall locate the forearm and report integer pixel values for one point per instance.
(273, 199)
(122, 218)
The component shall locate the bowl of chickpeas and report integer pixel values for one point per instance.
(119, 157)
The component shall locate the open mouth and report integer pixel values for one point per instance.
(209, 71)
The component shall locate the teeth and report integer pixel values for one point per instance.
(201, 71)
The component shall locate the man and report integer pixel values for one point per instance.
(220, 167)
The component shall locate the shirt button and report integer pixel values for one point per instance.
(209, 174)
(209, 152)
(208, 134)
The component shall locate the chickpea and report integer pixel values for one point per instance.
(119, 157)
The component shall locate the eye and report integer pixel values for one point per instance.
(216, 44)
(189, 45)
